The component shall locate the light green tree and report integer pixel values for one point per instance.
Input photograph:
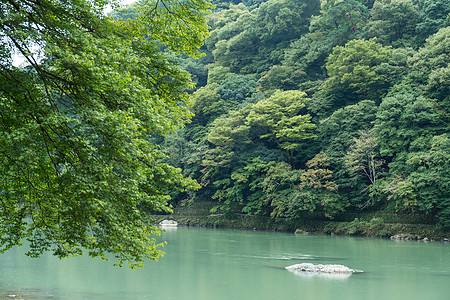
(362, 160)
(354, 68)
(280, 116)
(78, 170)
(246, 142)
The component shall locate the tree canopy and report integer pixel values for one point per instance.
(79, 166)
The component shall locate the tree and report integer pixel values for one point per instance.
(424, 183)
(354, 68)
(430, 178)
(78, 168)
(344, 18)
(430, 70)
(339, 21)
(280, 119)
(392, 21)
(403, 118)
(335, 135)
(236, 163)
(246, 142)
(433, 15)
(291, 192)
(309, 54)
(282, 78)
(207, 105)
(236, 88)
(361, 159)
(254, 41)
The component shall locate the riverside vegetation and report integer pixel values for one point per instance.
(372, 224)
(329, 116)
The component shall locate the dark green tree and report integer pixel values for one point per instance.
(294, 192)
(430, 71)
(338, 22)
(336, 134)
(433, 15)
(255, 41)
(393, 22)
(282, 78)
(430, 177)
(404, 117)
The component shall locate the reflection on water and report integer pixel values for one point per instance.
(168, 228)
(332, 276)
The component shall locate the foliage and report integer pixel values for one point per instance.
(236, 88)
(282, 78)
(433, 15)
(279, 117)
(354, 68)
(343, 19)
(309, 53)
(361, 156)
(318, 176)
(430, 177)
(291, 192)
(393, 21)
(253, 42)
(361, 159)
(404, 117)
(430, 71)
(336, 134)
(78, 168)
(364, 81)
(338, 23)
(248, 141)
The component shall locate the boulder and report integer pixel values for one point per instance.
(168, 223)
(308, 267)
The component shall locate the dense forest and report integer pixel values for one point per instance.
(320, 106)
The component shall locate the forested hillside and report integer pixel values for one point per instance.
(320, 106)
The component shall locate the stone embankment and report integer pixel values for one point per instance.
(384, 225)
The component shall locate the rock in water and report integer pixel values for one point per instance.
(308, 267)
(168, 223)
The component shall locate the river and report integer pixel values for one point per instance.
(219, 264)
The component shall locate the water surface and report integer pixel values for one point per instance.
(220, 264)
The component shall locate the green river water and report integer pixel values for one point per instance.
(221, 264)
